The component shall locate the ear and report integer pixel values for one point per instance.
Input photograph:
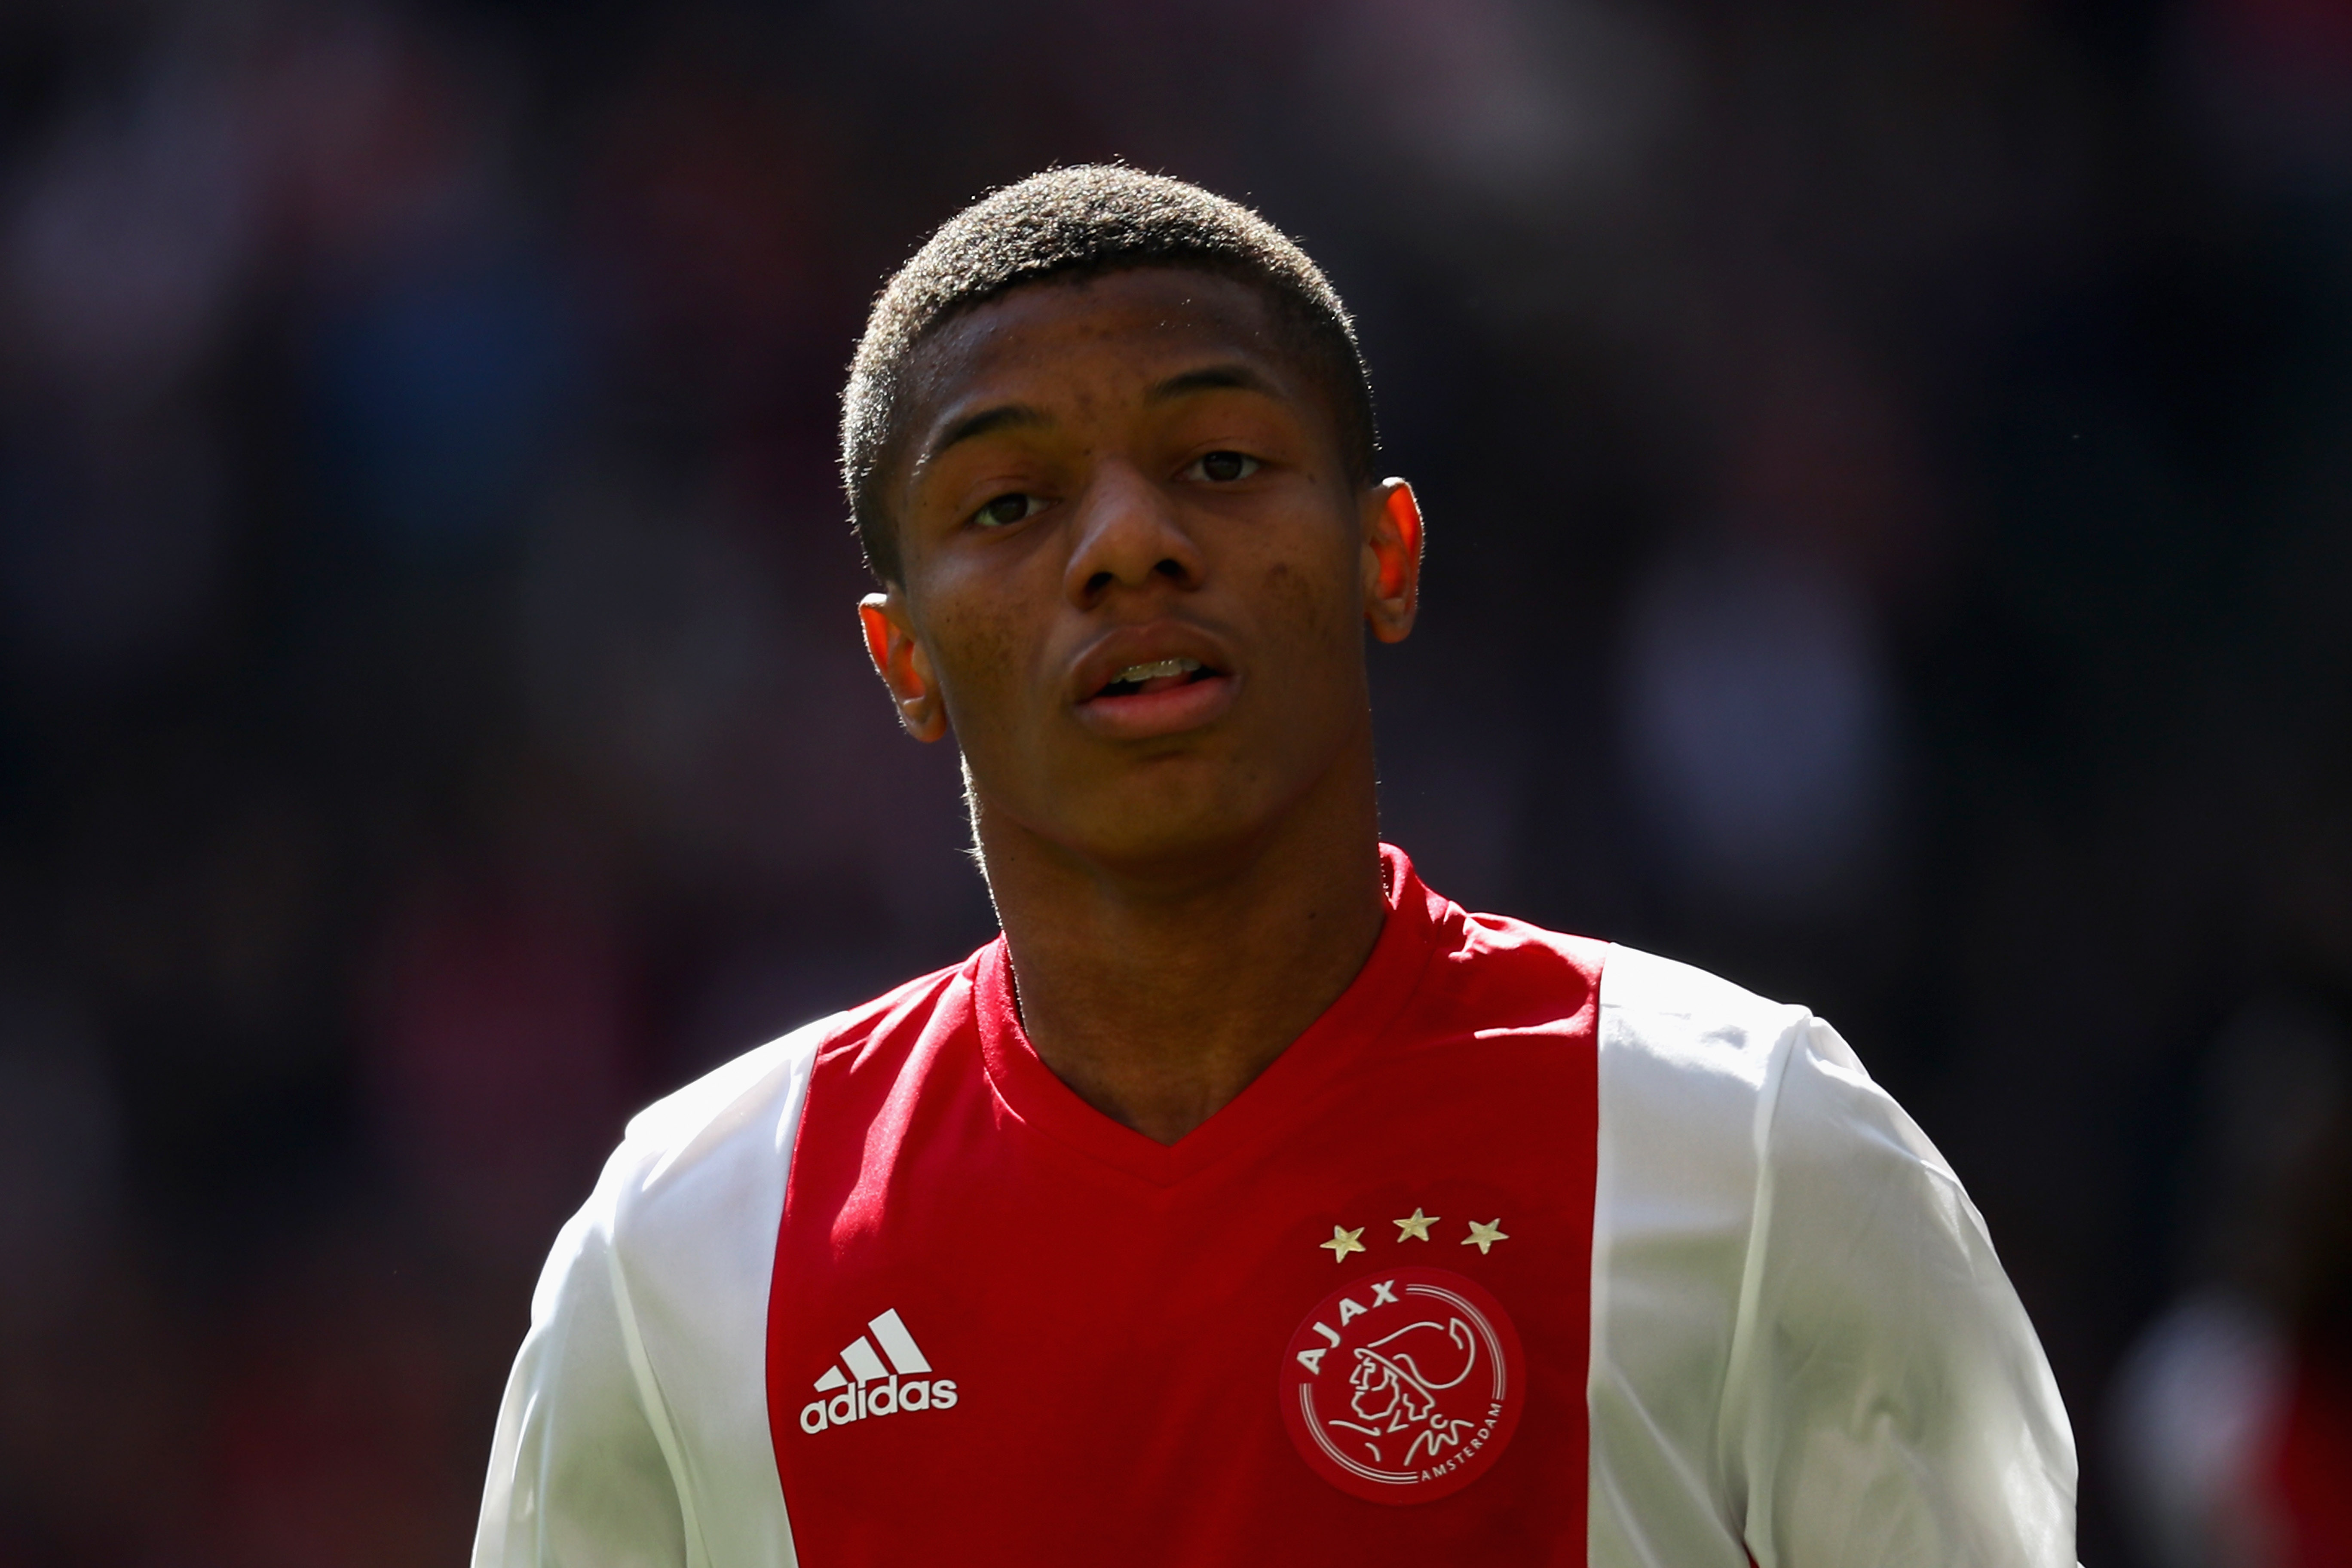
(903, 665)
(1392, 559)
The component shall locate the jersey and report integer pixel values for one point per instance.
(1530, 1250)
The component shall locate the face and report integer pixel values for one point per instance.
(1134, 570)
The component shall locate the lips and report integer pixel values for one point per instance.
(1140, 682)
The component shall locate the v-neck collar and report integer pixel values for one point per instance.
(1034, 1096)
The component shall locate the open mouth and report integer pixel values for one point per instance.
(1161, 675)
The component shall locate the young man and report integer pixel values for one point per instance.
(1245, 1201)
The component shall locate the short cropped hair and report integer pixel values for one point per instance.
(1069, 224)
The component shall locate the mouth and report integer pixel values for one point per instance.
(1164, 693)
(1159, 675)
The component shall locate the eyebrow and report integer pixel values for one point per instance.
(1022, 415)
(1004, 416)
(1211, 378)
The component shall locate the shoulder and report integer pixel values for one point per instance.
(1665, 1032)
(1681, 1047)
(1492, 974)
(1689, 1068)
(717, 1148)
(1690, 1022)
(1778, 1246)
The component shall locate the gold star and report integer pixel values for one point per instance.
(1417, 1227)
(1344, 1242)
(1484, 1237)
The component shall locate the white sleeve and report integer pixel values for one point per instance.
(579, 1473)
(1888, 1403)
(634, 1430)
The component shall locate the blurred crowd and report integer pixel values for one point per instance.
(1889, 471)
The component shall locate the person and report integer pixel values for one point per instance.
(1245, 1199)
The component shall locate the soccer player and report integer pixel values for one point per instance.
(1245, 1201)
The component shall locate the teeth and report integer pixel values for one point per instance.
(1162, 667)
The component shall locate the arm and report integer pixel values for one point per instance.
(579, 1476)
(1888, 1403)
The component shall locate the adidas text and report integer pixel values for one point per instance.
(868, 1388)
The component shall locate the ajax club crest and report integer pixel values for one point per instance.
(1404, 1387)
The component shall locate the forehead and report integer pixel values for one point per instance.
(1130, 326)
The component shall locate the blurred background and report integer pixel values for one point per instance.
(1891, 542)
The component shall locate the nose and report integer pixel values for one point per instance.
(1127, 535)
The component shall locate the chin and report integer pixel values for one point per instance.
(1170, 836)
(1181, 815)
(1176, 842)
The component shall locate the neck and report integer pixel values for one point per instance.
(1158, 995)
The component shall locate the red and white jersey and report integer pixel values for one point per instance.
(1532, 1249)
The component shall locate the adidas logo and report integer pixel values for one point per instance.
(870, 1388)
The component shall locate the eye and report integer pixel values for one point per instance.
(1007, 508)
(1221, 467)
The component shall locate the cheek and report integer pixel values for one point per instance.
(977, 652)
(1311, 613)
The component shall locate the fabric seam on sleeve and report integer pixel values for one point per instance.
(697, 1555)
(1737, 1382)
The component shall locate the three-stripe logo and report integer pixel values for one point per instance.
(868, 1388)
